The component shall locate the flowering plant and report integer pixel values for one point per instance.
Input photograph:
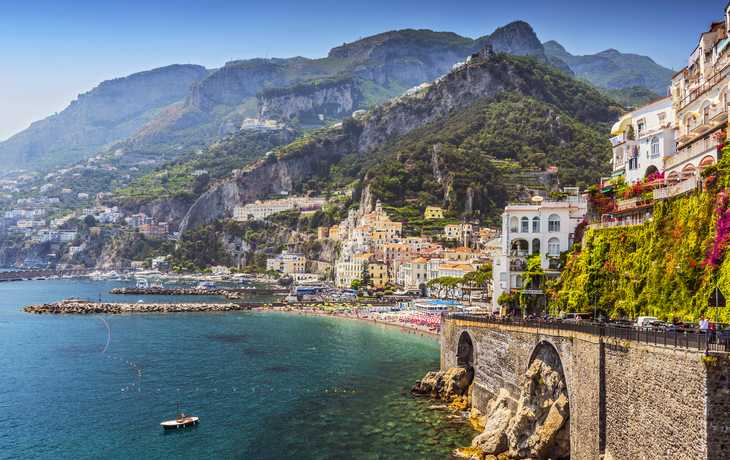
(715, 254)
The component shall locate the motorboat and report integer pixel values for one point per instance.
(180, 421)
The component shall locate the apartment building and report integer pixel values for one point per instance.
(544, 228)
(700, 99)
(642, 140)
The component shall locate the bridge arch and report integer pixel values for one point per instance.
(546, 349)
(465, 349)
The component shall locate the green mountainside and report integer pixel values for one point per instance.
(630, 96)
(612, 69)
(542, 118)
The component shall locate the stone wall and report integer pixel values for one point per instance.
(627, 402)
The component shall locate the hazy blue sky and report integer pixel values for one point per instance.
(51, 51)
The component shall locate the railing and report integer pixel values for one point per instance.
(690, 152)
(692, 339)
(518, 253)
(674, 190)
(702, 89)
(619, 223)
(631, 202)
(517, 267)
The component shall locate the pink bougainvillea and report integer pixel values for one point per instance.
(716, 253)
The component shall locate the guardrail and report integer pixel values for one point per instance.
(689, 338)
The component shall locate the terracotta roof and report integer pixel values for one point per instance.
(463, 249)
(420, 260)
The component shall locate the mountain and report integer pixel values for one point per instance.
(111, 111)
(612, 69)
(501, 106)
(384, 66)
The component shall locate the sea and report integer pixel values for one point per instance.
(264, 385)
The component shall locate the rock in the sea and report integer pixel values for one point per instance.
(493, 439)
(447, 385)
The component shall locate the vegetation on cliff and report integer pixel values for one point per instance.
(667, 266)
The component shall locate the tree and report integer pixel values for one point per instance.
(208, 270)
(90, 221)
(365, 273)
(355, 284)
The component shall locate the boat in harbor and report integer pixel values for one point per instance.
(180, 421)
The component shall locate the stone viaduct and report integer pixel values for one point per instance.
(627, 399)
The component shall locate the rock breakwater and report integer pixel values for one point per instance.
(227, 292)
(85, 307)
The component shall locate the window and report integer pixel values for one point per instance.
(554, 223)
(662, 118)
(554, 247)
(525, 225)
(535, 225)
(655, 146)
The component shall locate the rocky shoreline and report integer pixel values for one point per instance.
(537, 428)
(86, 307)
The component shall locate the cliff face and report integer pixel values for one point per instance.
(265, 180)
(330, 101)
(113, 110)
(229, 85)
(458, 90)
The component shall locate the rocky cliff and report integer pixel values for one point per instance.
(112, 111)
(337, 102)
(231, 84)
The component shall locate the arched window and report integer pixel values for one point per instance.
(535, 225)
(554, 223)
(554, 247)
(655, 146)
(525, 225)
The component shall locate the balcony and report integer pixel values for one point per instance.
(635, 220)
(716, 78)
(518, 253)
(684, 154)
(674, 190)
(632, 203)
(618, 140)
(517, 266)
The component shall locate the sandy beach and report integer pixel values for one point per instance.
(405, 327)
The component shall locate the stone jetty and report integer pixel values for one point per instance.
(227, 292)
(85, 307)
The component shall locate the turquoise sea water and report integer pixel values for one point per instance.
(60, 398)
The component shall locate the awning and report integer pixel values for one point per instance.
(621, 125)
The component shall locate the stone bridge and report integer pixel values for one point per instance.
(627, 399)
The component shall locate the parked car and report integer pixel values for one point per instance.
(642, 321)
(573, 317)
(684, 327)
(657, 326)
(625, 323)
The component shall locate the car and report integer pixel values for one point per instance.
(573, 317)
(642, 321)
(657, 326)
(685, 327)
(623, 323)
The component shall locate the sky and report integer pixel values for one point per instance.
(51, 51)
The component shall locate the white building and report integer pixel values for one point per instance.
(643, 153)
(261, 209)
(700, 98)
(546, 228)
(413, 273)
(287, 263)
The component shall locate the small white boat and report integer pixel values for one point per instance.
(180, 421)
